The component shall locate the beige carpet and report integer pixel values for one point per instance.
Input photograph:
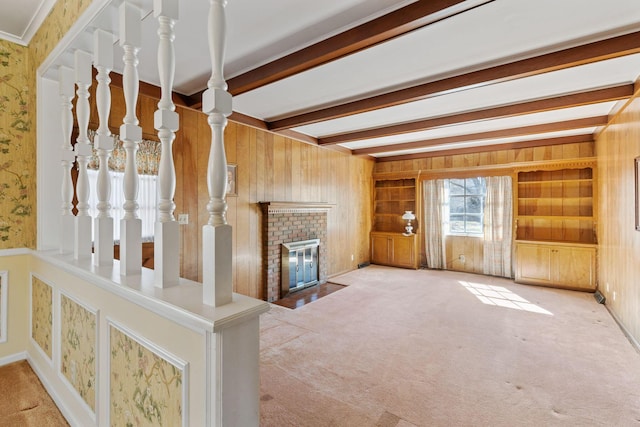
(431, 348)
(23, 400)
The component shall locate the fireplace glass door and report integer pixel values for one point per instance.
(300, 265)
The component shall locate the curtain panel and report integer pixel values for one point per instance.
(498, 227)
(433, 201)
(147, 157)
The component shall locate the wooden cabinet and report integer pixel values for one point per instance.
(564, 265)
(394, 249)
(555, 227)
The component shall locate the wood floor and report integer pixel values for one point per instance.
(306, 296)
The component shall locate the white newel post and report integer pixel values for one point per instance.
(131, 135)
(67, 157)
(83, 150)
(103, 62)
(217, 234)
(234, 351)
(167, 232)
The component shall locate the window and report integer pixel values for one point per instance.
(466, 205)
(146, 201)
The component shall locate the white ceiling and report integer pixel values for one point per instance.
(485, 34)
(20, 19)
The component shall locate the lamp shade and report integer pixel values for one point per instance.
(408, 215)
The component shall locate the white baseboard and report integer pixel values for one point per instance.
(71, 419)
(13, 358)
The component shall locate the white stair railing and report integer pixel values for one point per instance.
(103, 62)
(83, 241)
(166, 122)
(131, 135)
(67, 157)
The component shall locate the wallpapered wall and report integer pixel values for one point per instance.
(17, 149)
(78, 348)
(42, 315)
(18, 67)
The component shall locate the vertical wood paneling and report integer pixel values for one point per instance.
(619, 242)
(271, 168)
(469, 246)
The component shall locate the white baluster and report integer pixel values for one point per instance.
(167, 232)
(67, 157)
(103, 62)
(83, 152)
(217, 235)
(131, 135)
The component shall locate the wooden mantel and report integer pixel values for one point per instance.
(294, 207)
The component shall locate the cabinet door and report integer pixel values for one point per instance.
(403, 251)
(574, 267)
(533, 264)
(380, 253)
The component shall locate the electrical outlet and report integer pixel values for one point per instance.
(183, 219)
(352, 257)
(607, 287)
(462, 258)
(614, 295)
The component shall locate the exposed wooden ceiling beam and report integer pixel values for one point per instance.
(565, 101)
(566, 58)
(393, 24)
(586, 122)
(574, 139)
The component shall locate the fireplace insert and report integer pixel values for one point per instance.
(299, 266)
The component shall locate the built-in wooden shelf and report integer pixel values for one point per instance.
(392, 197)
(555, 228)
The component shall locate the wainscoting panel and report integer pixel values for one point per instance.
(4, 288)
(147, 385)
(42, 315)
(78, 348)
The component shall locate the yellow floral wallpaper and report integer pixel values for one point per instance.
(41, 314)
(145, 389)
(18, 67)
(17, 149)
(77, 347)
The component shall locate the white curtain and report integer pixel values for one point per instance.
(433, 201)
(498, 218)
(146, 201)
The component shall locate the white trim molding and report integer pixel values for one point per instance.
(4, 318)
(178, 363)
(96, 313)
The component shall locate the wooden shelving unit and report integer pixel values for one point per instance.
(555, 228)
(555, 206)
(391, 199)
(393, 195)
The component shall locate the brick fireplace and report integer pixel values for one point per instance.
(286, 222)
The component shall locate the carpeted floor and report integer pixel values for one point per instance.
(432, 348)
(423, 348)
(24, 402)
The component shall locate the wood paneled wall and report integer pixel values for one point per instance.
(619, 242)
(464, 165)
(270, 168)
(470, 248)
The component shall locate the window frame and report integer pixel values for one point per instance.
(465, 196)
